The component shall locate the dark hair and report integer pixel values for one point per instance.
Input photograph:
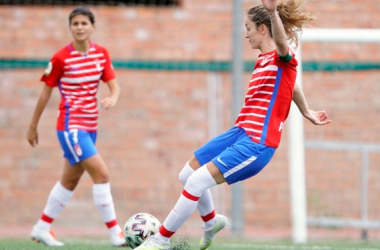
(290, 14)
(82, 10)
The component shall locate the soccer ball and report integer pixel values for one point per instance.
(139, 227)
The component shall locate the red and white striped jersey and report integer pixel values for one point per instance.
(77, 77)
(268, 100)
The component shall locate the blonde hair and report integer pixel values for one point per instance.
(291, 16)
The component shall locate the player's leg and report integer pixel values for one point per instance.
(205, 205)
(102, 196)
(71, 175)
(58, 198)
(197, 183)
(201, 156)
(79, 147)
(215, 222)
(239, 162)
(60, 194)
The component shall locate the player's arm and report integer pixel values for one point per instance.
(278, 31)
(110, 101)
(316, 117)
(40, 107)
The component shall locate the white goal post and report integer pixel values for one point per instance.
(295, 124)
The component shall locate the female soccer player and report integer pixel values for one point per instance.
(76, 70)
(246, 149)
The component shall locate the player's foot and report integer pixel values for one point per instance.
(209, 236)
(117, 240)
(45, 237)
(152, 243)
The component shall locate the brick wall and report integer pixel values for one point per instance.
(163, 116)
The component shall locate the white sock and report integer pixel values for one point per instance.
(205, 205)
(104, 202)
(58, 198)
(196, 184)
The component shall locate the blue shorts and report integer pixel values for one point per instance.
(77, 145)
(235, 154)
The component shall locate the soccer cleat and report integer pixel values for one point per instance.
(117, 240)
(208, 237)
(45, 237)
(152, 243)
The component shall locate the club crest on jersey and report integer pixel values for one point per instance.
(48, 69)
(266, 59)
(98, 67)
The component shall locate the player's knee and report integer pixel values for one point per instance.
(199, 181)
(70, 184)
(183, 176)
(192, 186)
(100, 177)
(185, 173)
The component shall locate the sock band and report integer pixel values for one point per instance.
(189, 196)
(166, 233)
(208, 217)
(111, 223)
(46, 218)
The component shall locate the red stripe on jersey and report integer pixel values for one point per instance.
(208, 217)
(189, 196)
(46, 218)
(111, 223)
(166, 233)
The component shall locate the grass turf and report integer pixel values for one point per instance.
(182, 243)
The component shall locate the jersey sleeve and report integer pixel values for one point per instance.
(289, 59)
(289, 55)
(108, 72)
(53, 72)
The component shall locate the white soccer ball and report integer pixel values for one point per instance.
(139, 227)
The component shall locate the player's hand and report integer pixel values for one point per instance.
(108, 102)
(32, 137)
(269, 5)
(318, 117)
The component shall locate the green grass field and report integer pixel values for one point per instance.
(184, 244)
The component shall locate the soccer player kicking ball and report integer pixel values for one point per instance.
(77, 69)
(244, 150)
